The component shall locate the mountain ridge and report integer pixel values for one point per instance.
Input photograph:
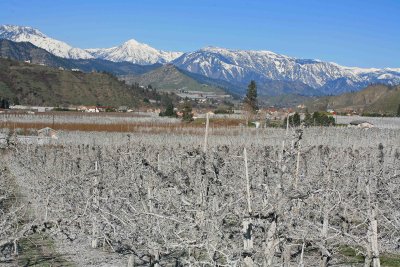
(242, 66)
(169, 78)
(274, 73)
(25, 51)
(30, 84)
(34, 36)
(382, 99)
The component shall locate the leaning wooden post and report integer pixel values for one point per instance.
(206, 134)
(247, 224)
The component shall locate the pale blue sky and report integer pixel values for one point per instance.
(353, 33)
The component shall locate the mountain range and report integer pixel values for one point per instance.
(274, 74)
(302, 76)
(25, 51)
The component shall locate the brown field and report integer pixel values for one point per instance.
(27, 128)
(79, 113)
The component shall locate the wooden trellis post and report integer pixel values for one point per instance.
(247, 223)
(206, 134)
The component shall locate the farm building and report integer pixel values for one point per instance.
(47, 132)
(361, 124)
(88, 108)
(123, 109)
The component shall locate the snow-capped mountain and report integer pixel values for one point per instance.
(28, 34)
(130, 51)
(240, 66)
(274, 72)
(135, 52)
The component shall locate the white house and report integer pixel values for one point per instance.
(92, 109)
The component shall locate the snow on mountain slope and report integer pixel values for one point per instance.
(236, 67)
(28, 34)
(135, 52)
(240, 66)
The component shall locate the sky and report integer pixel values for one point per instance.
(363, 33)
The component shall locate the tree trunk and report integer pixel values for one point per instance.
(95, 240)
(131, 261)
(247, 235)
(286, 255)
(247, 242)
(156, 258)
(301, 262)
(15, 247)
(372, 233)
(271, 242)
(368, 256)
(324, 251)
(248, 261)
(374, 239)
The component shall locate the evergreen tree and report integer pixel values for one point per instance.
(187, 114)
(308, 120)
(251, 97)
(4, 104)
(169, 106)
(294, 120)
(398, 111)
(322, 119)
(169, 111)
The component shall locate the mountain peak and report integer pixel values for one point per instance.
(131, 42)
(211, 48)
(28, 34)
(18, 30)
(134, 52)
